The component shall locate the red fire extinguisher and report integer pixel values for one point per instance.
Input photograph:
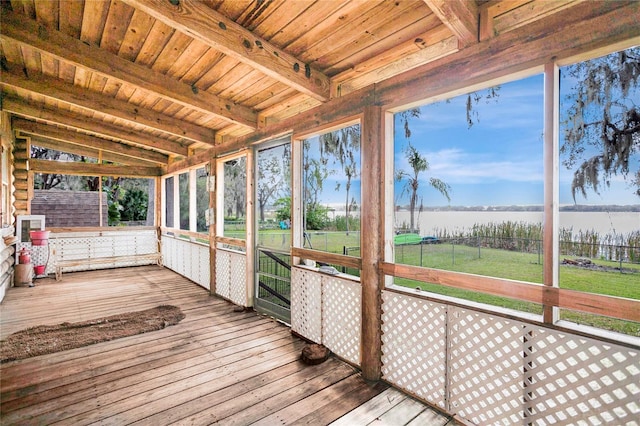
(24, 257)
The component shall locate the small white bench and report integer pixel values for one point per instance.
(59, 265)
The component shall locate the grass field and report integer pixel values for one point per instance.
(524, 267)
(496, 263)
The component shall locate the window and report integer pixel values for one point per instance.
(169, 202)
(331, 191)
(130, 200)
(81, 201)
(273, 195)
(57, 181)
(71, 201)
(45, 151)
(468, 194)
(78, 201)
(186, 200)
(600, 181)
(202, 200)
(183, 200)
(234, 175)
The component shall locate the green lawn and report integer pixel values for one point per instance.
(333, 242)
(523, 267)
(490, 262)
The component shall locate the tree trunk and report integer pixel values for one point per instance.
(412, 208)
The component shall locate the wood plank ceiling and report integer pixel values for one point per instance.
(154, 81)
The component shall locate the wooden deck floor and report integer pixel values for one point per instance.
(216, 366)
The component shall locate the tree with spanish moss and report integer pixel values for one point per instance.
(601, 125)
(342, 146)
(235, 187)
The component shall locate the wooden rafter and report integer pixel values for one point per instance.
(71, 136)
(68, 119)
(585, 28)
(460, 16)
(362, 77)
(5, 125)
(199, 21)
(77, 96)
(577, 29)
(91, 169)
(85, 150)
(80, 54)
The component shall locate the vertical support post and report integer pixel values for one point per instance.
(176, 201)
(250, 228)
(100, 212)
(158, 217)
(551, 186)
(161, 202)
(372, 241)
(297, 185)
(212, 230)
(158, 189)
(193, 201)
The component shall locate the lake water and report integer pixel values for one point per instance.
(600, 222)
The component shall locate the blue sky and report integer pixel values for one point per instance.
(498, 161)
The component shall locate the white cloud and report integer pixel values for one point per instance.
(458, 166)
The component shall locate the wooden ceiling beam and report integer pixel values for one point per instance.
(349, 81)
(91, 169)
(71, 136)
(460, 16)
(77, 96)
(85, 150)
(27, 32)
(575, 32)
(5, 125)
(68, 119)
(197, 20)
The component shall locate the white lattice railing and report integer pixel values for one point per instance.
(493, 370)
(90, 250)
(327, 310)
(187, 258)
(231, 276)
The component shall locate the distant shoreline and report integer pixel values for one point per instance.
(602, 222)
(532, 208)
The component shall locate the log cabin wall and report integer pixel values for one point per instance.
(7, 190)
(21, 180)
(7, 261)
